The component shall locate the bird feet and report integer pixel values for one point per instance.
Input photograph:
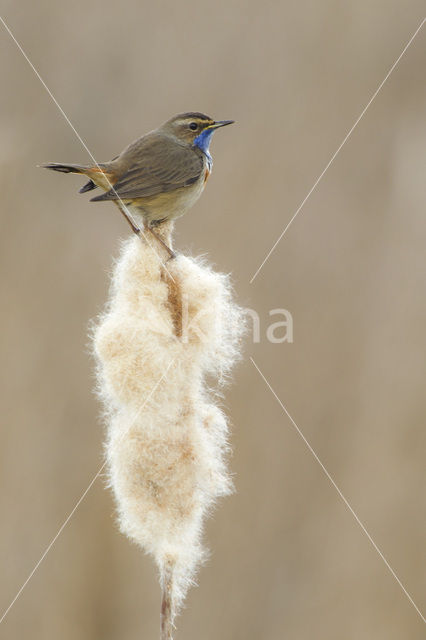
(171, 253)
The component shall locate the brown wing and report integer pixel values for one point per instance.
(154, 164)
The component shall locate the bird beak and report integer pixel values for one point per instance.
(221, 123)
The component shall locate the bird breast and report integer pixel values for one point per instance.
(172, 204)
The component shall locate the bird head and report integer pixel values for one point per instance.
(194, 128)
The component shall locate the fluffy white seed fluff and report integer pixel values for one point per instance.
(168, 331)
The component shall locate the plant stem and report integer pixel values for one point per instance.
(166, 617)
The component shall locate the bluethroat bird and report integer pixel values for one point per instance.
(157, 177)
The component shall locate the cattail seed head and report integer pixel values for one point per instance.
(167, 332)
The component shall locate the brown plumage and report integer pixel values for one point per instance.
(159, 176)
(152, 165)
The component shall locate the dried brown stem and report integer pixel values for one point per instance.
(166, 617)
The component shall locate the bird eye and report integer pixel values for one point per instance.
(193, 126)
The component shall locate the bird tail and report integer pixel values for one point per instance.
(72, 168)
(66, 168)
(87, 187)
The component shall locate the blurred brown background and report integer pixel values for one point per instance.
(288, 559)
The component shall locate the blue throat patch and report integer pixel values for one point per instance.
(203, 141)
